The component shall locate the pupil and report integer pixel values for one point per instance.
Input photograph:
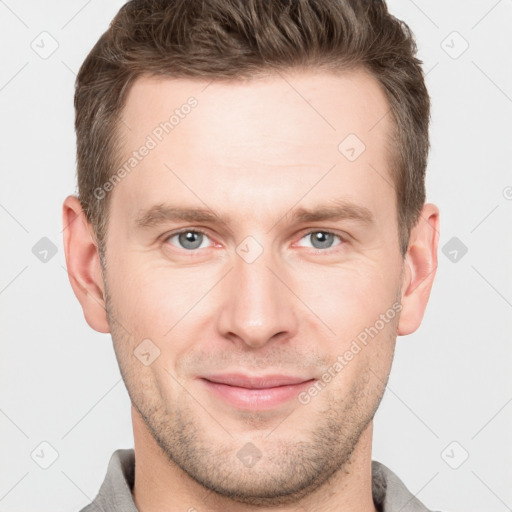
(322, 239)
(189, 239)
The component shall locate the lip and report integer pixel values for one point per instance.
(255, 392)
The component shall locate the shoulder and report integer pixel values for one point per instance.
(391, 494)
(115, 493)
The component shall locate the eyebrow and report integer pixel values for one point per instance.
(338, 210)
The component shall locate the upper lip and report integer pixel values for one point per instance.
(255, 382)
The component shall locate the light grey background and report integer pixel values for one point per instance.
(450, 382)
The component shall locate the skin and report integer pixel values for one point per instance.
(252, 152)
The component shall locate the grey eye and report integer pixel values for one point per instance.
(321, 239)
(190, 240)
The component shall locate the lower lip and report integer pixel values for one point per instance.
(256, 399)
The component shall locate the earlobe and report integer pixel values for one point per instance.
(83, 264)
(420, 269)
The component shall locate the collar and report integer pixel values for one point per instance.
(115, 494)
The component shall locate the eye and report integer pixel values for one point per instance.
(189, 239)
(192, 239)
(322, 239)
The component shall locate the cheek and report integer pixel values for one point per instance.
(363, 362)
(168, 307)
(349, 298)
(152, 296)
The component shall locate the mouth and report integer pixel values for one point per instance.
(255, 392)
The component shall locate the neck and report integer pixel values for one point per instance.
(160, 485)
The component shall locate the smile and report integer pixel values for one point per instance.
(255, 393)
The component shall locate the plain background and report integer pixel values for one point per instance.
(449, 395)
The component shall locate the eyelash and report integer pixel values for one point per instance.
(317, 251)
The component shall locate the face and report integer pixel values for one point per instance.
(249, 254)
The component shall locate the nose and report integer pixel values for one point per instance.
(258, 308)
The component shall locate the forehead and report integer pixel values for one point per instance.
(331, 104)
(256, 139)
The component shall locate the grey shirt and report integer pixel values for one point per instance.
(115, 494)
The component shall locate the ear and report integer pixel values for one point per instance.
(420, 264)
(83, 264)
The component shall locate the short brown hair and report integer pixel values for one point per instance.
(229, 39)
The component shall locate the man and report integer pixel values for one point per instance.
(251, 228)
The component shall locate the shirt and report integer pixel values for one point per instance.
(115, 494)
